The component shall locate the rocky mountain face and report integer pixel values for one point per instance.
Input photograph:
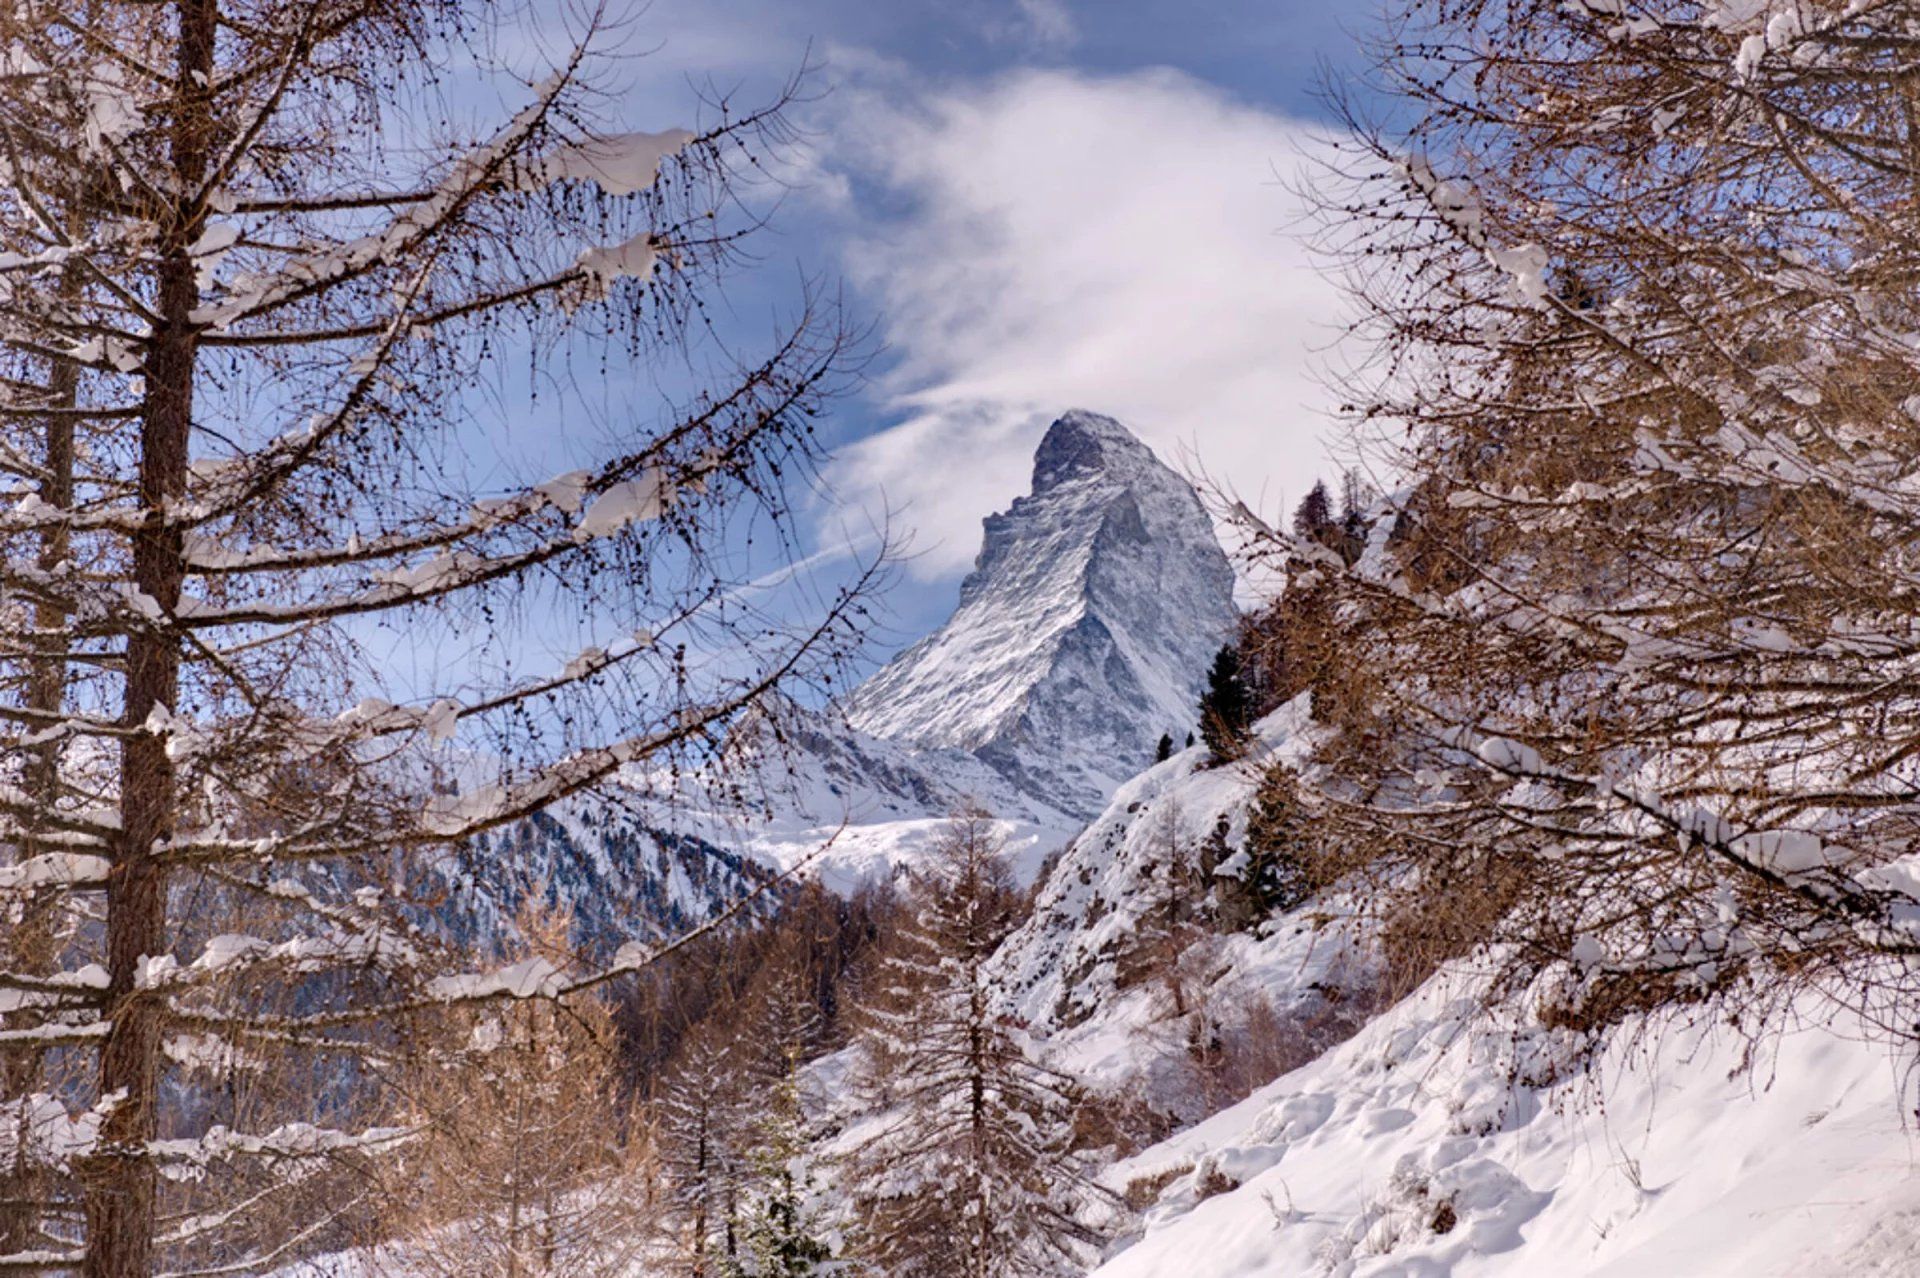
(1083, 632)
(620, 873)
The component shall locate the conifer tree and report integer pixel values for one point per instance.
(1354, 497)
(1163, 751)
(1226, 707)
(1274, 876)
(1313, 517)
(972, 1172)
(782, 1231)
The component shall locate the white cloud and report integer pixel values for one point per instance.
(1056, 240)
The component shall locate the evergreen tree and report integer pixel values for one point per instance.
(1273, 877)
(1313, 517)
(972, 1172)
(1164, 750)
(1226, 708)
(780, 1230)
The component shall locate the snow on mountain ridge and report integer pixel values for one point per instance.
(853, 806)
(1083, 632)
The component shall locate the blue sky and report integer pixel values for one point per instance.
(1036, 205)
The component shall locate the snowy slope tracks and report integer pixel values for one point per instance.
(1439, 1142)
(1469, 1129)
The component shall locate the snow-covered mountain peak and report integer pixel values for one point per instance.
(1082, 444)
(1083, 632)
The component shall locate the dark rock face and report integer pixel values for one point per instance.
(1083, 443)
(619, 876)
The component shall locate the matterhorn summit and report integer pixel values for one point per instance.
(1083, 632)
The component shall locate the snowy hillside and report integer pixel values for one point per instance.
(1435, 1144)
(621, 874)
(1427, 1139)
(1083, 631)
(1065, 969)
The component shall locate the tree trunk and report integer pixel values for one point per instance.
(977, 1111)
(120, 1193)
(515, 1181)
(31, 945)
(700, 1213)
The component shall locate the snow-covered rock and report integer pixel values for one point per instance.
(1083, 633)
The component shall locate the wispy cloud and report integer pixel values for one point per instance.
(1056, 239)
(1048, 22)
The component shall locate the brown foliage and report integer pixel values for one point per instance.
(1630, 692)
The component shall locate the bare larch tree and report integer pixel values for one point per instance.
(1638, 627)
(259, 270)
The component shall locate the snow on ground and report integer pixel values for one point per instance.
(1436, 1143)
(1440, 1143)
(1063, 969)
(843, 857)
